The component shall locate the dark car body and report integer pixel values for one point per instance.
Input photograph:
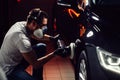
(107, 41)
(96, 57)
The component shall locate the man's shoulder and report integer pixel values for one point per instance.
(18, 27)
(21, 22)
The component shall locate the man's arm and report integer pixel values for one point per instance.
(46, 38)
(37, 63)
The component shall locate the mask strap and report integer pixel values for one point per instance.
(39, 13)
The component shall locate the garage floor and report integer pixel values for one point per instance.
(57, 68)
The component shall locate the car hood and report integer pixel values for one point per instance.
(109, 38)
(111, 43)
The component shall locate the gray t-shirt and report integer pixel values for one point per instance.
(14, 43)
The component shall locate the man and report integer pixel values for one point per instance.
(17, 52)
(2, 75)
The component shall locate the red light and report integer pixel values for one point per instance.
(18, 1)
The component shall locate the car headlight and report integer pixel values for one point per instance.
(95, 18)
(108, 60)
(90, 34)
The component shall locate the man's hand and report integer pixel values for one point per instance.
(58, 51)
(55, 38)
(63, 52)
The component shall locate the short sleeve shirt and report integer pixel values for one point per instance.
(15, 42)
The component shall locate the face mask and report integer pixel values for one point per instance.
(44, 29)
(38, 33)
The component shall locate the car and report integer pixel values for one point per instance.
(96, 54)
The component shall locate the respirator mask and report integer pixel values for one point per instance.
(39, 33)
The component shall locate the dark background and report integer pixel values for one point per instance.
(12, 11)
(3, 18)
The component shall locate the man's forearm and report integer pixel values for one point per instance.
(41, 61)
